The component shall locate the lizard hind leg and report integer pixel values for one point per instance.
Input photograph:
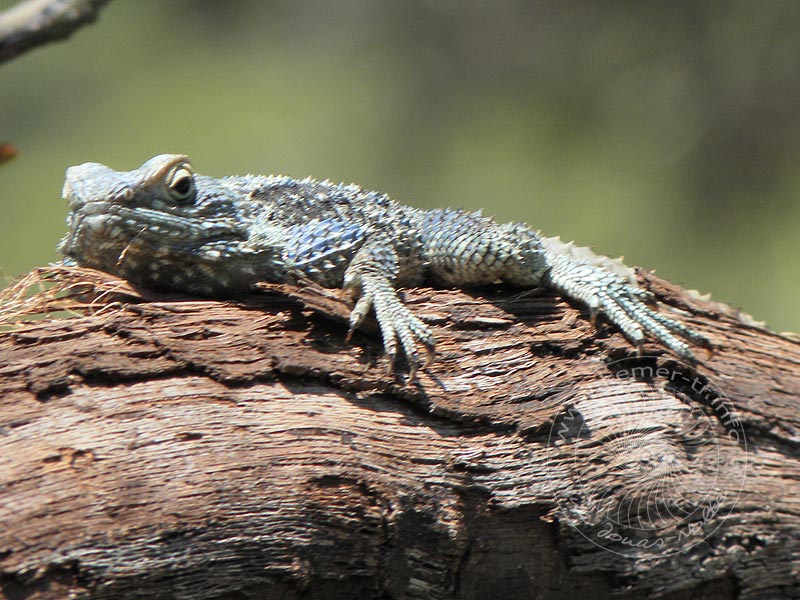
(468, 249)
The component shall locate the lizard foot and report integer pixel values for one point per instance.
(625, 306)
(623, 303)
(398, 324)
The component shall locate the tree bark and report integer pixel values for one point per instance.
(164, 447)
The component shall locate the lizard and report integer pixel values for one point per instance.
(166, 228)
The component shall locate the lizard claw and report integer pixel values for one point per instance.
(390, 365)
(358, 314)
(430, 355)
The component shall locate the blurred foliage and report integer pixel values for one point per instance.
(669, 132)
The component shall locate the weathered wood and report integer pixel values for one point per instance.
(174, 448)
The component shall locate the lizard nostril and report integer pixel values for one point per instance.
(66, 191)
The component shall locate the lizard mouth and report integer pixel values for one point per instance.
(111, 224)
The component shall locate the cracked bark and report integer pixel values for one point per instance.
(162, 447)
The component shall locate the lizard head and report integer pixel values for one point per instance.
(160, 226)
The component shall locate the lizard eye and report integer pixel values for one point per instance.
(180, 184)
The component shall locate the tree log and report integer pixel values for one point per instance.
(164, 447)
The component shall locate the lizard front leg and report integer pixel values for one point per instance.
(370, 277)
(332, 252)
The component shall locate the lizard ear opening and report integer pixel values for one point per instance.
(180, 183)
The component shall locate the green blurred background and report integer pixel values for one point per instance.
(665, 131)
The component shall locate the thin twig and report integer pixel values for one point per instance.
(35, 22)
